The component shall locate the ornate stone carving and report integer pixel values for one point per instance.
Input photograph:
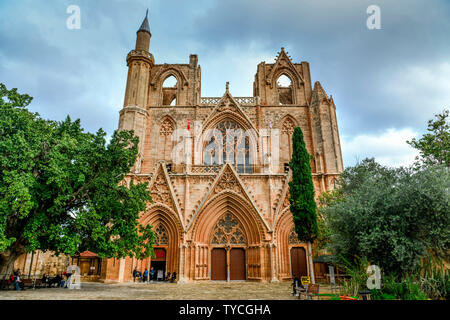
(286, 202)
(228, 181)
(166, 128)
(160, 191)
(293, 238)
(288, 127)
(228, 231)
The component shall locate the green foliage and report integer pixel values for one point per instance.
(434, 146)
(394, 217)
(405, 288)
(301, 190)
(357, 271)
(377, 294)
(60, 187)
(435, 279)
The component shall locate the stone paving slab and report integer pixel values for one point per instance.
(162, 291)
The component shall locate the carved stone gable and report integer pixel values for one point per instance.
(227, 181)
(227, 105)
(160, 191)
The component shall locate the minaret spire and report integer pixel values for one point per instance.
(144, 35)
(145, 26)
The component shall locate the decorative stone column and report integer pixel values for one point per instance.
(273, 262)
(182, 265)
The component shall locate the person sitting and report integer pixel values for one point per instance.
(174, 277)
(56, 280)
(63, 280)
(11, 280)
(167, 276)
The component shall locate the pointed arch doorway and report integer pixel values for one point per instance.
(228, 256)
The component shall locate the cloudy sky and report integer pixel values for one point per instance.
(386, 83)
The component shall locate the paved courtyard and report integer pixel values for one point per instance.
(163, 291)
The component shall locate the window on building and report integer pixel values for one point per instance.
(228, 143)
(169, 91)
(285, 92)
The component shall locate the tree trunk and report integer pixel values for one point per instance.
(311, 264)
(7, 259)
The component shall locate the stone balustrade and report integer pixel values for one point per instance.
(244, 101)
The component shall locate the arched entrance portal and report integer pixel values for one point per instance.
(159, 263)
(229, 263)
(298, 262)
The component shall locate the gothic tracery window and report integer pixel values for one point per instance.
(228, 231)
(161, 235)
(228, 143)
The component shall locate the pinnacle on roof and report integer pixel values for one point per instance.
(145, 26)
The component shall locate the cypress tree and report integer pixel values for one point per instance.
(303, 205)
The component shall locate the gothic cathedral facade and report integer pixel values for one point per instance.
(217, 167)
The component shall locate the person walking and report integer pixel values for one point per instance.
(152, 274)
(135, 272)
(145, 278)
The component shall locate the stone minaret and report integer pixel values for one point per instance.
(134, 115)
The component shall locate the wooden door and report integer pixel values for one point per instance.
(237, 264)
(218, 264)
(298, 262)
(84, 267)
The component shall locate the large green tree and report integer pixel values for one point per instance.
(434, 146)
(301, 189)
(392, 216)
(61, 190)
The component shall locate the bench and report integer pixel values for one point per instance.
(38, 283)
(27, 283)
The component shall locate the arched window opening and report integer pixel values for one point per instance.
(228, 143)
(285, 92)
(170, 82)
(169, 91)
